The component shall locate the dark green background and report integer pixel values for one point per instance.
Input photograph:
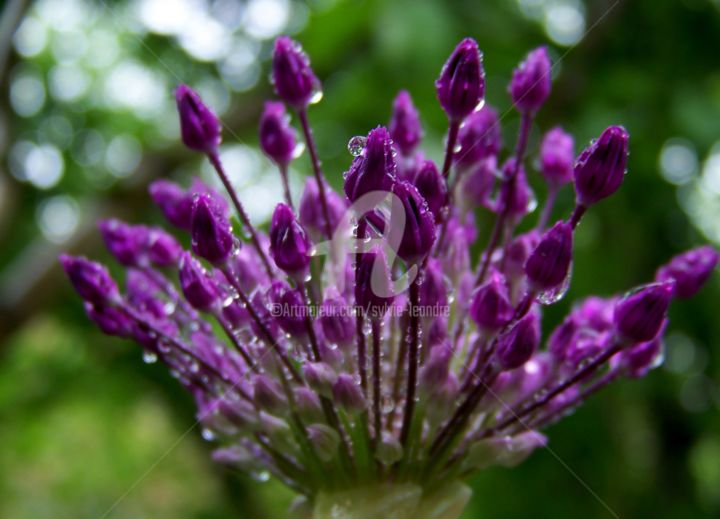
(82, 418)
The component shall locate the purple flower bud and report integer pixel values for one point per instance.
(461, 84)
(436, 369)
(289, 243)
(517, 345)
(690, 270)
(519, 251)
(374, 169)
(478, 183)
(549, 264)
(143, 294)
(199, 127)
(110, 320)
(404, 127)
(91, 280)
(521, 200)
(211, 233)
(320, 377)
(288, 306)
(337, 323)
(308, 404)
(125, 242)
(432, 187)
(600, 168)
(585, 345)
(557, 155)
(419, 232)
(173, 201)
(562, 337)
(637, 360)
(490, 307)
(347, 394)
(198, 288)
(163, 249)
(531, 81)
(268, 394)
(293, 79)
(277, 138)
(373, 285)
(595, 313)
(325, 441)
(246, 268)
(640, 315)
(479, 137)
(310, 210)
(433, 290)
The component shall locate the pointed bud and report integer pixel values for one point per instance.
(163, 249)
(419, 232)
(562, 337)
(125, 242)
(173, 201)
(109, 320)
(639, 359)
(549, 264)
(308, 404)
(278, 431)
(519, 201)
(199, 290)
(374, 169)
(404, 126)
(690, 270)
(389, 450)
(268, 394)
(432, 187)
(277, 138)
(517, 345)
(324, 440)
(490, 307)
(288, 307)
(519, 251)
(211, 234)
(433, 290)
(289, 243)
(293, 79)
(600, 168)
(373, 285)
(640, 315)
(91, 280)
(477, 184)
(461, 84)
(337, 322)
(507, 451)
(479, 137)
(199, 127)
(310, 209)
(531, 81)
(557, 155)
(347, 394)
(320, 377)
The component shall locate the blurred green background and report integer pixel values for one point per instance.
(87, 120)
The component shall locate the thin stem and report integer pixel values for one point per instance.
(310, 141)
(399, 368)
(244, 218)
(450, 147)
(225, 325)
(286, 184)
(377, 416)
(577, 215)
(548, 207)
(525, 125)
(412, 361)
(359, 317)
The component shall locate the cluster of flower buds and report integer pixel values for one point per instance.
(325, 370)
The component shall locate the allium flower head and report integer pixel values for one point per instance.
(353, 347)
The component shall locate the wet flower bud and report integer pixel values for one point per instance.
(287, 306)
(196, 285)
(374, 169)
(562, 338)
(531, 81)
(347, 394)
(517, 345)
(289, 243)
(310, 210)
(519, 251)
(419, 232)
(433, 290)
(163, 249)
(549, 264)
(109, 320)
(268, 394)
(389, 450)
(125, 242)
(211, 234)
(600, 168)
(478, 183)
(639, 359)
(432, 187)
(507, 451)
(91, 280)
(461, 84)
(293, 79)
(690, 270)
(199, 127)
(320, 377)
(173, 201)
(324, 440)
(640, 315)
(277, 138)
(520, 200)
(557, 155)
(337, 322)
(490, 307)
(373, 286)
(479, 137)
(404, 126)
(278, 431)
(308, 404)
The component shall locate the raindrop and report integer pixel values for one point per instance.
(207, 434)
(317, 95)
(356, 145)
(298, 150)
(552, 296)
(149, 357)
(261, 476)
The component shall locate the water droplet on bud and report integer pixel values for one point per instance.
(356, 145)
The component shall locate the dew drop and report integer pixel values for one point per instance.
(207, 434)
(552, 296)
(298, 150)
(149, 357)
(356, 145)
(261, 476)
